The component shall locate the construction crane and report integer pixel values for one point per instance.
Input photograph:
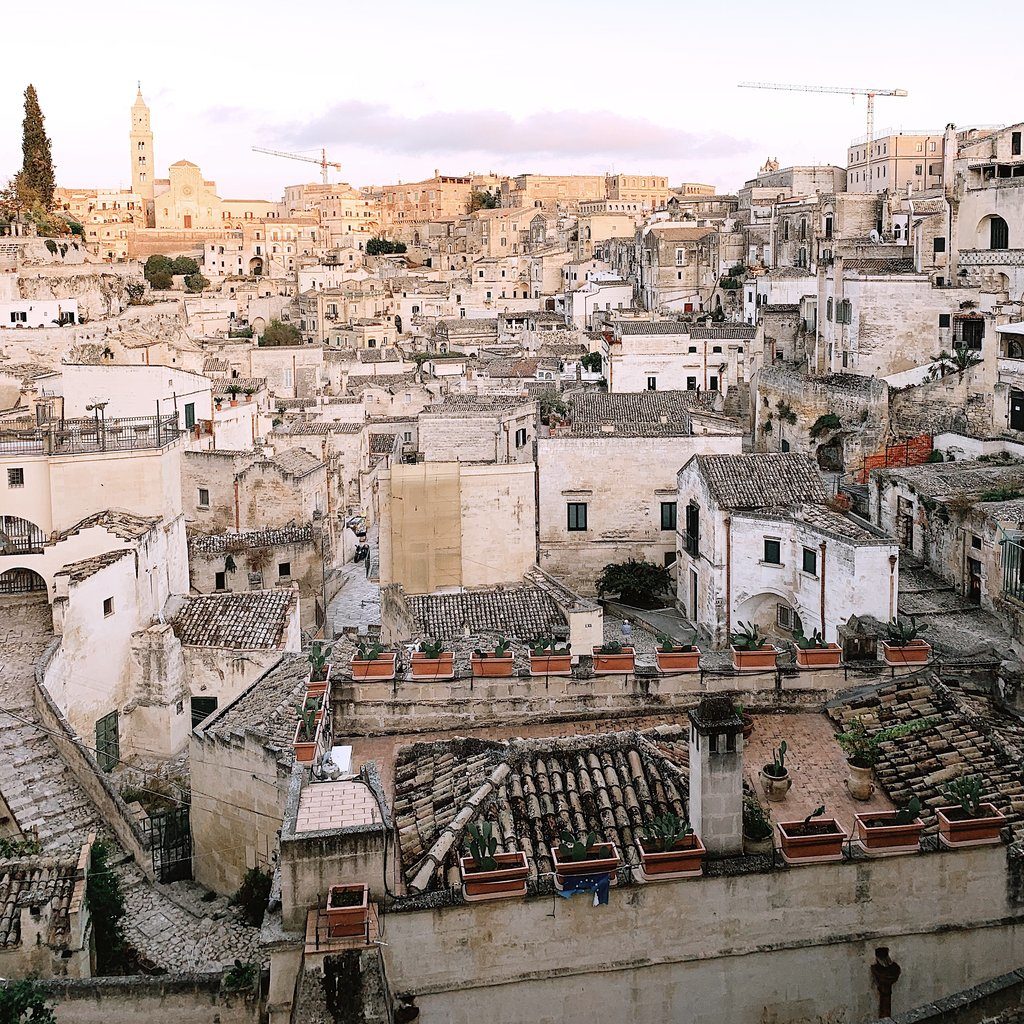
(850, 91)
(323, 161)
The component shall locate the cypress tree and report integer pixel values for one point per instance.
(37, 164)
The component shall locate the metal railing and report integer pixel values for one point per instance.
(70, 437)
(991, 258)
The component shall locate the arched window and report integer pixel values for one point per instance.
(999, 234)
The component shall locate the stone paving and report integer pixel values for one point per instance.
(357, 603)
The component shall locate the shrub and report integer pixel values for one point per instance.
(637, 582)
(830, 421)
(106, 905)
(252, 896)
(196, 282)
(278, 333)
(384, 247)
(161, 280)
(25, 1002)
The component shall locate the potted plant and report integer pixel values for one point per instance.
(371, 661)
(748, 721)
(579, 856)
(550, 658)
(751, 651)
(347, 911)
(319, 667)
(814, 840)
(862, 752)
(902, 646)
(307, 730)
(673, 657)
(968, 820)
(775, 780)
(233, 390)
(758, 834)
(314, 702)
(613, 657)
(669, 848)
(248, 392)
(813, 652)
(494, 664)
(487, 874)
(432, 661)
(885, 833)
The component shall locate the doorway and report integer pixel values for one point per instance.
(693, 596)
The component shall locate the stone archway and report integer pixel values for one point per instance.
(22, 581)
(256, 266)
(769, 610)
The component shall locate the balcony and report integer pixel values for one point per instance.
(79, 436)
(992, 257)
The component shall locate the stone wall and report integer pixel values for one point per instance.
(974, 1005)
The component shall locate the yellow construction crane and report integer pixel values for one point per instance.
(847, 91)
(323, 161)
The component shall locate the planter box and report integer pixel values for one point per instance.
(305, 750)
(754, 661)
(889, 839)
(551, 664)
(343, 922)
(506, 881)
(684, 860)
(380, 668)
(604, 860)
(492, 668)
(970, 831)
(917, 653)
(607, 664)
(819, 657)
(812, 849)
(678, 660)
(433, 668)
(319, 685)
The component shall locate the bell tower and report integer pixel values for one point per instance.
(143, 168)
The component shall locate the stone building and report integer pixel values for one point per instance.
(498, 429)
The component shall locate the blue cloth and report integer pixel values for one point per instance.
(597, 884)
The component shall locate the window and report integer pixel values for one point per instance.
(204, 498)
(828, 310)
(16, 477)
(220, 581)
(772, 551)
(108, 748)
(969, 333)
(713, 383)
(939, 244)
(190, 415)
(202, 708)
(108, 607)
(1014, 143)
(668, 515)
(810, 561)
(999, 234)
(784, 446)
(944, 320)
(284, 570)
(692, 538)
(918, 169)
(691, 383)
(652, 383)
(577, 515)
(521, 437)
(976, 542)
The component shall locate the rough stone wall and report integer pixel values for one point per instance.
(268, 498)
(956, 402)
(215, 472)
(100, 293)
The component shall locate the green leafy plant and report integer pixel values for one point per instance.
(25, 1002)
(901, 633)
(816, 813)
(541, 646)
(482, 846)
(757, 822)
(823, 424)
(307, 723)
(810, 643)
(748, 637)
(501, 650)
(610, 647)
(576, 848)
(252, 895)
(668, 646)
(11, 848)
(240, 976)
(907, 815)
(959, 361)
(314, 702)
(233, 390)
(666, 830)
(432, 649)
(967, 792)
(637, 582)
(591, 362)
(862, 747)
(278, 334)
(384, 247)
(368, 650)
(106, 907)
(319, 653)
(776, 768)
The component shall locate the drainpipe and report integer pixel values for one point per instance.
(237, 511)
(822, 602)
(893, 559)
(728, 576)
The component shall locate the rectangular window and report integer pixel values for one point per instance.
(220, 581)
(713, 383)
(190, 415)
(16, 477)
(284, 570)
(652, 383)
(811, 561)
(668, 515)
(691, 383)
(939, 244)
(784, 447)
(108, 747)
(692, 539)
(204, 498)
(108, 607)
(944, 319)
(521, 437)
(772, 551)
(577, 515)
(1014, 143)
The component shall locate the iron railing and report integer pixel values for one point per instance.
(1013, 564)
(70, 437)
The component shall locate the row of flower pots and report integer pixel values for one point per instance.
(310, 712)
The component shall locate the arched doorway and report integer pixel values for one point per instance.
(256, 266)
(22, 581)
(993, 233)
(771, 612)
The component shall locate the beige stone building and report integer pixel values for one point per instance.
(899, 161)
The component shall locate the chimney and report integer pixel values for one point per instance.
(716, 776)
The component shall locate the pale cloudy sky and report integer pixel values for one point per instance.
(395, 90)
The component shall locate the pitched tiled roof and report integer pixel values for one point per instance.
(724, 332)
(651, 327)
(387, 381)
(515, 612)
(36, 882)
(79, 572)
(212, 544)
(124, 525)
(254, 620)
(382, 444)
(296, 462)
(633, 414)
(884, 265)
(221, 384)
(476, 404)
(762, 479)
(213, 365)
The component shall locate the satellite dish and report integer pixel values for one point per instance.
(875, 236)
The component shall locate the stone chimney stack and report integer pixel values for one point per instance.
(716, 776)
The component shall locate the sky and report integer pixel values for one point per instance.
(397, 90)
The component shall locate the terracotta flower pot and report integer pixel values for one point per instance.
(504, 882)
(748, 725)
(684, 860)
(775, 786)
(318, 685)
(917, 652)
(551, 664)
(859, 781)
(805, 844)
(607, 664)
(603, 860)
(442, 667)
(382, 667)
(305, 749)
(877, 835)
(819, 657)
(678, 660)
(491, 667)
(960, 831)
(345, 922)
(761, 660)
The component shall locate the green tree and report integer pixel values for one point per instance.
(384, 247)
(591, 362)
(37, 160)
(278, 333)
(959, 361)
(637, 582)
(252, 896)
(184, 265)
(106, 907)
(484, 200)
(17, 198)
(161, 280)
(196, 282)
(25, 1002)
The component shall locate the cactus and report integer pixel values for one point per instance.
(368, 650)
(666, 830)
(610, 647)
(966, 791)
(431, 649)
(907, 815)
(318, 655)
(501, 648)
(816, 813)
(307, 721)
(541, 646)
(810, 643)
(748, 637)
(483, 846)
(900, 633)
(577, 847)
(777, 767)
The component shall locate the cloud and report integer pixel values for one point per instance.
(563, 133)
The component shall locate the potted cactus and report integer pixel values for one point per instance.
(371, 661)
(902, 645)
(862, 752)
(307, 734)
(550, 658)
(582, 856)
(814, 840)
(812, 652)
(319, 667)
(347, 911)
(758, 834)
(432, 661)
(669, 848)
(751, 651)
(487, 874)
(748, 721)
(612, 657)
(673, 657)
(968, 820)
(494, 664)
(775, 780)
(886, 833)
